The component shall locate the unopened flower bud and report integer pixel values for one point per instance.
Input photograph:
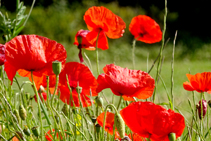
(15, 112)
(99, 101)
(209, 103)
(57, 67)
(65, 109)
(78, 89)
(93, 120)
(36, 131)
(172, 136)
(126, 138)
(41, 89)
(97, 126)
(204, 107)
(22, 112)
(26, 130)
(120, 125)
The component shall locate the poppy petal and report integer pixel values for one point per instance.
(10, 70)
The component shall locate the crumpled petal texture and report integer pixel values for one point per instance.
(33, 53)
(125, 82)
(145, 29)
(154, 121)
(200, 82)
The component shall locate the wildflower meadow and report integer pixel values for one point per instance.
(74, 101)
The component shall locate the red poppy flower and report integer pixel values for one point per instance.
(32, 53)
(2, 54)
(65, 97)
(49, 136)
(145, 29)
(125, 82)
(200, 82)
(83, 42)
(44, 95)
(79, 74)
(102, 21)
(109, 123)
(15, 138)
(154, 121)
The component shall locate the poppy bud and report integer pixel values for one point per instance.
(99, 101)
(57, 67)
(209, 103)
(15, 112)
(41, 89)
(79, 89)
(93, 120)
(172, 137)
(22, 112)
(97, 126)
(126, 138)
(26, 130)
(65, 109)
(204, 107)
(120, 125)
(36, 131)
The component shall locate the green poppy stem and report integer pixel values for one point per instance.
(161, 51)
(38, 103)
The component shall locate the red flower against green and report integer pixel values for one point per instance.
(200, 82)
(145, 29)
(49, 136)
(109, 123)
(136, 137)
(32, 53)
(102, 21)
(78, 74)
(154, 121)
(2, 54)
(125, 82)
(82, 42)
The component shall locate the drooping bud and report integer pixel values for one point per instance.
(209, 103)
(120, 125)
(22, 112)
(57, 67)
(36, 131)
(172, 137)
(204, 108)
(15, 112)
(27, 131)
(78, 89)
(65, 109)
(99, 101)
